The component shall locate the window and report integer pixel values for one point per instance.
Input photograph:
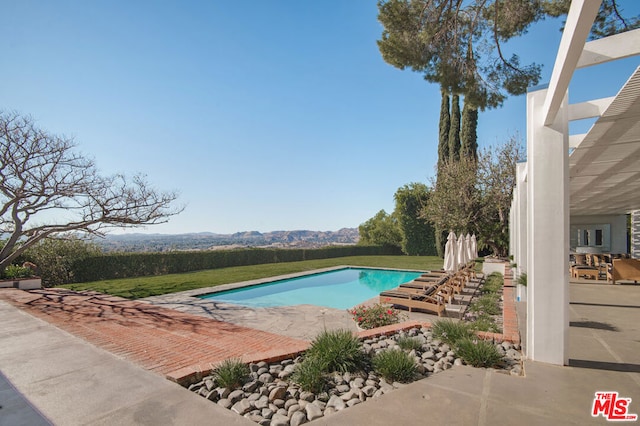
(598, 237)
(588, 237)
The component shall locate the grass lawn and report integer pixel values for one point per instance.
(135, 288)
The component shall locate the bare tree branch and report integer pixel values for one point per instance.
(47, 189)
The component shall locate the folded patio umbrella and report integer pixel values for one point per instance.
(474, 247)
(461, 251)
(450, 260)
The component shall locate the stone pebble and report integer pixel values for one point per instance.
(268, 398)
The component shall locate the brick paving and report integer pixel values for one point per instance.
(162, 340)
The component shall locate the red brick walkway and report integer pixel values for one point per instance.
(159, 339)
(509, 315)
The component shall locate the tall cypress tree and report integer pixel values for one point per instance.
(454, 130)
(468, 131)
(443, 137)
(443, 157)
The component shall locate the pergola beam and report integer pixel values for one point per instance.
(579, 20)
(589, 109)
(576, 140)
(610, 48)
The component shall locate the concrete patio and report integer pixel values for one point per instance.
(53, 376)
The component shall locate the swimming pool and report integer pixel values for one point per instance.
(339, 289)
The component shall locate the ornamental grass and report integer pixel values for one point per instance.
(450, 332)
(338, 350)
(231, 373)
(478, 353)
(395, 365)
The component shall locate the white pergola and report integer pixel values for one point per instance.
(590, 174)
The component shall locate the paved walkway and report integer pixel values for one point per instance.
(73, 382)
(52, 377)
(156, 338)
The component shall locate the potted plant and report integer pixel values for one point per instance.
(22, 277)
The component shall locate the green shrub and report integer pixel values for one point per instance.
(231, 373)
(395, 365)
(338, 350)
(16, 271)
(310, 375)
(55, 258)
(487, 303)
(451, 332)
(493, 283)
(478, 353)
(408, 343)
(129, 265)
(484, 322)
(377, 315)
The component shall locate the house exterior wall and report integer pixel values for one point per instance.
(618, 227)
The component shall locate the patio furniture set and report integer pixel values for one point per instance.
(610, 267)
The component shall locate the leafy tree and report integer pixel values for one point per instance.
(455, 199)
(608, 22)
(417, 232)
(454, 129)
(382, 229)
(497, 179)
(47, 189)
(476, 197)
(55, 257)
(468, 132)
(443, 40)
(459, 44)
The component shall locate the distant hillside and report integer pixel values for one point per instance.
(211, 241)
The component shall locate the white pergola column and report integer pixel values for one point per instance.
(547, 227)
(635, 234)
(521, 226)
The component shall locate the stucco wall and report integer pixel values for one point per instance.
(618, 225)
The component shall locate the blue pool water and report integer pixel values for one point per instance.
(340, 289)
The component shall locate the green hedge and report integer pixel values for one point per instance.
(129, 265)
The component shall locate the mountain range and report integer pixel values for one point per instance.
(213, 241)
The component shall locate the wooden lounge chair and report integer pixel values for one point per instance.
(417, 288)
(431, 278)
(458, 283)
(411, 301)
(428, 280)
(444, 291)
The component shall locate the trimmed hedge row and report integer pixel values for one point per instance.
(129, 265)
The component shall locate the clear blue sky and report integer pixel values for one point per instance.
(264, 115)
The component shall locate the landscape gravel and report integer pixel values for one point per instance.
(269, 397)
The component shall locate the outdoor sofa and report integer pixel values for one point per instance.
(624, 270)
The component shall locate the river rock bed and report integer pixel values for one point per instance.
(268, 397)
